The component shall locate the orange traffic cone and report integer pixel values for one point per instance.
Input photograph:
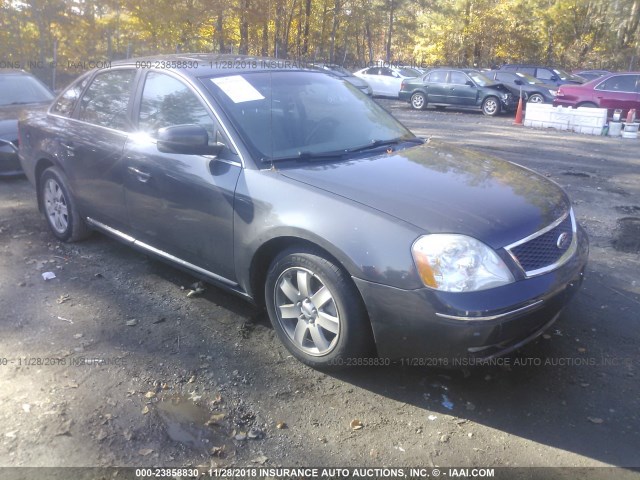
(518, 120)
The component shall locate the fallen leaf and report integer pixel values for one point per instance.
(260, 459)
(150, 395)
(145, 451)
(215, 418)
(281, 425)
(132, 323)
(145, 410)
(356, 424)
(217, 451)
(595, 420)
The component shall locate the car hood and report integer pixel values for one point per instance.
(444, 189)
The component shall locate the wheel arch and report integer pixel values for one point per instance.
(269, 250)
(41, 165)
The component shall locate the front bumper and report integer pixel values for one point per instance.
(428, 327)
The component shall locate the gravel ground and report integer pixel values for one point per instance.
(111, 364)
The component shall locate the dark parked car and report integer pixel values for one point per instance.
(345, 74)
(533, 90)
(18, 90)
(613, 91)
(444, 87)
(293, 189)
(550, 75)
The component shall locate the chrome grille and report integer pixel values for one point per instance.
(547, 249)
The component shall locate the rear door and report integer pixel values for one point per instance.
(436, 84)
(94, 143)
(181, 204)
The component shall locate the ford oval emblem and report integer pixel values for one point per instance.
(563, 241)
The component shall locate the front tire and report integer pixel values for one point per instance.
(491, 106)
(535, 98)
(59, 207)
(418, 101)
(316, 310)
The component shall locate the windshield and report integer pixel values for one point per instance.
(528, 78)
(566, 76)
(302, 114)
(18, 89)
(480, 79)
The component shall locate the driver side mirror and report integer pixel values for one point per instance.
(187, 140)
(518, 82)
(469, 83)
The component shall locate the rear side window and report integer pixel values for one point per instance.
(438, 77)
(106, 100)
(528, 70)
(620, 83)
(544, 74)
(67, 101)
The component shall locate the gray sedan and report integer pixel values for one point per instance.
(294, 190)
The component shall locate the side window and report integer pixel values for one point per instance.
(67, 102)
(528, 70)
(166, 101)
(544, 74)
(438, 77)
(504, 77)
(372, 71)
(619, 83)
(105, 101)
(458, 78)
(387, 72)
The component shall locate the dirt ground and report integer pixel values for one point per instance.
(112, 364)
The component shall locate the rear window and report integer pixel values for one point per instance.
(16, 89)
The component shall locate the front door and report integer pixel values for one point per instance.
(181, 204)
(459, 92)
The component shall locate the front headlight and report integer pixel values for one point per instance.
(457, 263)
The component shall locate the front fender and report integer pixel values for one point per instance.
(369, 244)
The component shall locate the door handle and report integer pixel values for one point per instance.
(140, 175)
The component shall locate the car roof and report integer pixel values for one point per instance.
(208, 64)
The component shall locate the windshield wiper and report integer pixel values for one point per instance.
(383, 143)
(308, 156)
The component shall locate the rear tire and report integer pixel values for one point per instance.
(59, 207)
(418, 101)
(316, 310)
